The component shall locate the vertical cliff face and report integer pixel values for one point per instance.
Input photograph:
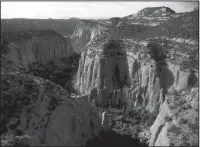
(84, 32)
(25, 48)
(106, 71)
(107, 67)
(183, 79)
(120, 77)
(154, 79)
(113, 66)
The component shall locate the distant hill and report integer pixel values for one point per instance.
(151, 16)
(152, 12)
(185, 26)
(155, 11)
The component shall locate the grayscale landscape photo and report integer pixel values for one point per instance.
(98, 74)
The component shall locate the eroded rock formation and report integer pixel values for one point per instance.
(43, 110)
(35, 106)
(110, 72)
(37, 46)
(116, 78)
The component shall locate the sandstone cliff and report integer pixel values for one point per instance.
(118, 75)
(115, 67)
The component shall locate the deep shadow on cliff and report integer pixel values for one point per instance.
(113, 139)
(113, 52)
(60, 72)
(193, 80)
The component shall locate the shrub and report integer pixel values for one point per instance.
(22, 141)
(192, 62)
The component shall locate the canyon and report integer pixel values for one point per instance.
(95, 85)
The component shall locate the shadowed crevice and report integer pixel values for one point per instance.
(111, 139)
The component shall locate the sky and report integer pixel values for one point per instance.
(64, 10)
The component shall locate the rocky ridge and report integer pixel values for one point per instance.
(35, 109)
(185, 27)
(152, 16)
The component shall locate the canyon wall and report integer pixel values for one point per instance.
(38, 108)
(37, 47)
(84, 33)
(116, 76)
(109, 75)
(103, 71)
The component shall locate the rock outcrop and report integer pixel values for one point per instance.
(176, 123)
(183, 79)
(44, 111)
